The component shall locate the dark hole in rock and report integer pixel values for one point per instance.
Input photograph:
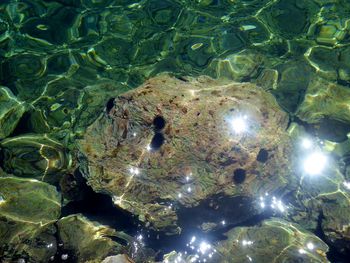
(263, 155)
(109, 105)
(239, 176)
(159, 123)
(157, 141)
(24, 125)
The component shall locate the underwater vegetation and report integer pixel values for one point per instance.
(174, 131)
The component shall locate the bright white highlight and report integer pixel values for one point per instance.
(203, 247)
(315, 163)
(310, 246)
(193, 239)
(346, 184)
(247, 242)
(134, 171)
(302, 251)
(276, 204)
(306, 143)
(239, 124)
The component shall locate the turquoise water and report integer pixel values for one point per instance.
(63, 62)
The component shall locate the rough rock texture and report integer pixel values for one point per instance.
(35, 156)
(175, 140)
(11, 110)
(324, 202)
(274, 241)
(122, 258)
(325, 99)
(87, 241)
(28, 210)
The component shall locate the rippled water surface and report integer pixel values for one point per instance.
(91, 166)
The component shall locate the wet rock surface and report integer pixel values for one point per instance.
(286, 242)
(35, 156)
(11, 110)
(174, 140)
(28, 211)
(87, 241)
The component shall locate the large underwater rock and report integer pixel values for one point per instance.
(275, 240)
(191, 146)
(11, 110)
(325, 99)
(28, 211)
(35, 156)
(87, 241)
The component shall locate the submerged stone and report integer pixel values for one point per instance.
(35, 156)
(325, 99)
(11, 110)
(200, 144)
(121, 258)
(324, 205)
(88, 241)
(275, 240)
(28, 210)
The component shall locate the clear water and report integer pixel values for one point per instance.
(61, 63)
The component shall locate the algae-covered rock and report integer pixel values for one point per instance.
(324, 203)
(35, 156)
(239, 66)
(335, 223)
(187, 141)
(325, 99)
(278, 14)
(121, 258)
(293, 80)
(11, 110)
(87, 241)
(275, 240)
(28, 210)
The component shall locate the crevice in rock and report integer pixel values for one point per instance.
(109, 105)
(333, 254)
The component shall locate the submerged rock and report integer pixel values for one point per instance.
(324, 205)
(325, 99)
(28, 211)
(11, 110)
(122, 258)
(87, 241)
(35, 156)
(186, 141)
(274, 241)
